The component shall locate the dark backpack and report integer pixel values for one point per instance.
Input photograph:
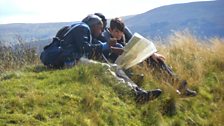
(53, 55)
(57, 53)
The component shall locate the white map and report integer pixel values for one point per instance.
(136, 51)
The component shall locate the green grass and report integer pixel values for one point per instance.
(80, 95)
(90, 96)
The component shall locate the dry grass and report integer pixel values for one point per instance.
(16, 57)
(192, 58)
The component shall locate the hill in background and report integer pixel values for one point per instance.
(29, 32)
(203, 19)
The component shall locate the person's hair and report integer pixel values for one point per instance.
(103, 18)
(92, 20)
(117, 23)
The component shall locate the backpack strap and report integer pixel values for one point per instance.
(60, 34)
(71, 28)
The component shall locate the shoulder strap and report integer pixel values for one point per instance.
(70, 28)
(60, 34)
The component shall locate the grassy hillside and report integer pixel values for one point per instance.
(89, 95)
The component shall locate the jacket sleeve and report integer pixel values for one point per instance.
(83, 41)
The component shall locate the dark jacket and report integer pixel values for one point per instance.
(127, 34)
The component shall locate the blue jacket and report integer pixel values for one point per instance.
(78, 40)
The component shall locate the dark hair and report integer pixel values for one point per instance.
(117, 23)
(103, 18)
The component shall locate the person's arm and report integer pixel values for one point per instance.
(83, 38)
(84, 42)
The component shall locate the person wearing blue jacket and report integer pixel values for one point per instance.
(75, 43)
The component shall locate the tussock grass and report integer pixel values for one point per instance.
(89, 95)
(17, 56)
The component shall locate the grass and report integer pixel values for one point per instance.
(17, 56)
(89, 95)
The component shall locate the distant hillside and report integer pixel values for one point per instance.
(204, 19)
(29, 32)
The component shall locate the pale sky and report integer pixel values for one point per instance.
(39, 11)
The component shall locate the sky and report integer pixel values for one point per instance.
(43, 11)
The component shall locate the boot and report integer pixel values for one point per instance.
(185, 91)
(143, 96)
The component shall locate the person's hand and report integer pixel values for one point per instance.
(117, 50)
(157, 56)
(112, 42)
